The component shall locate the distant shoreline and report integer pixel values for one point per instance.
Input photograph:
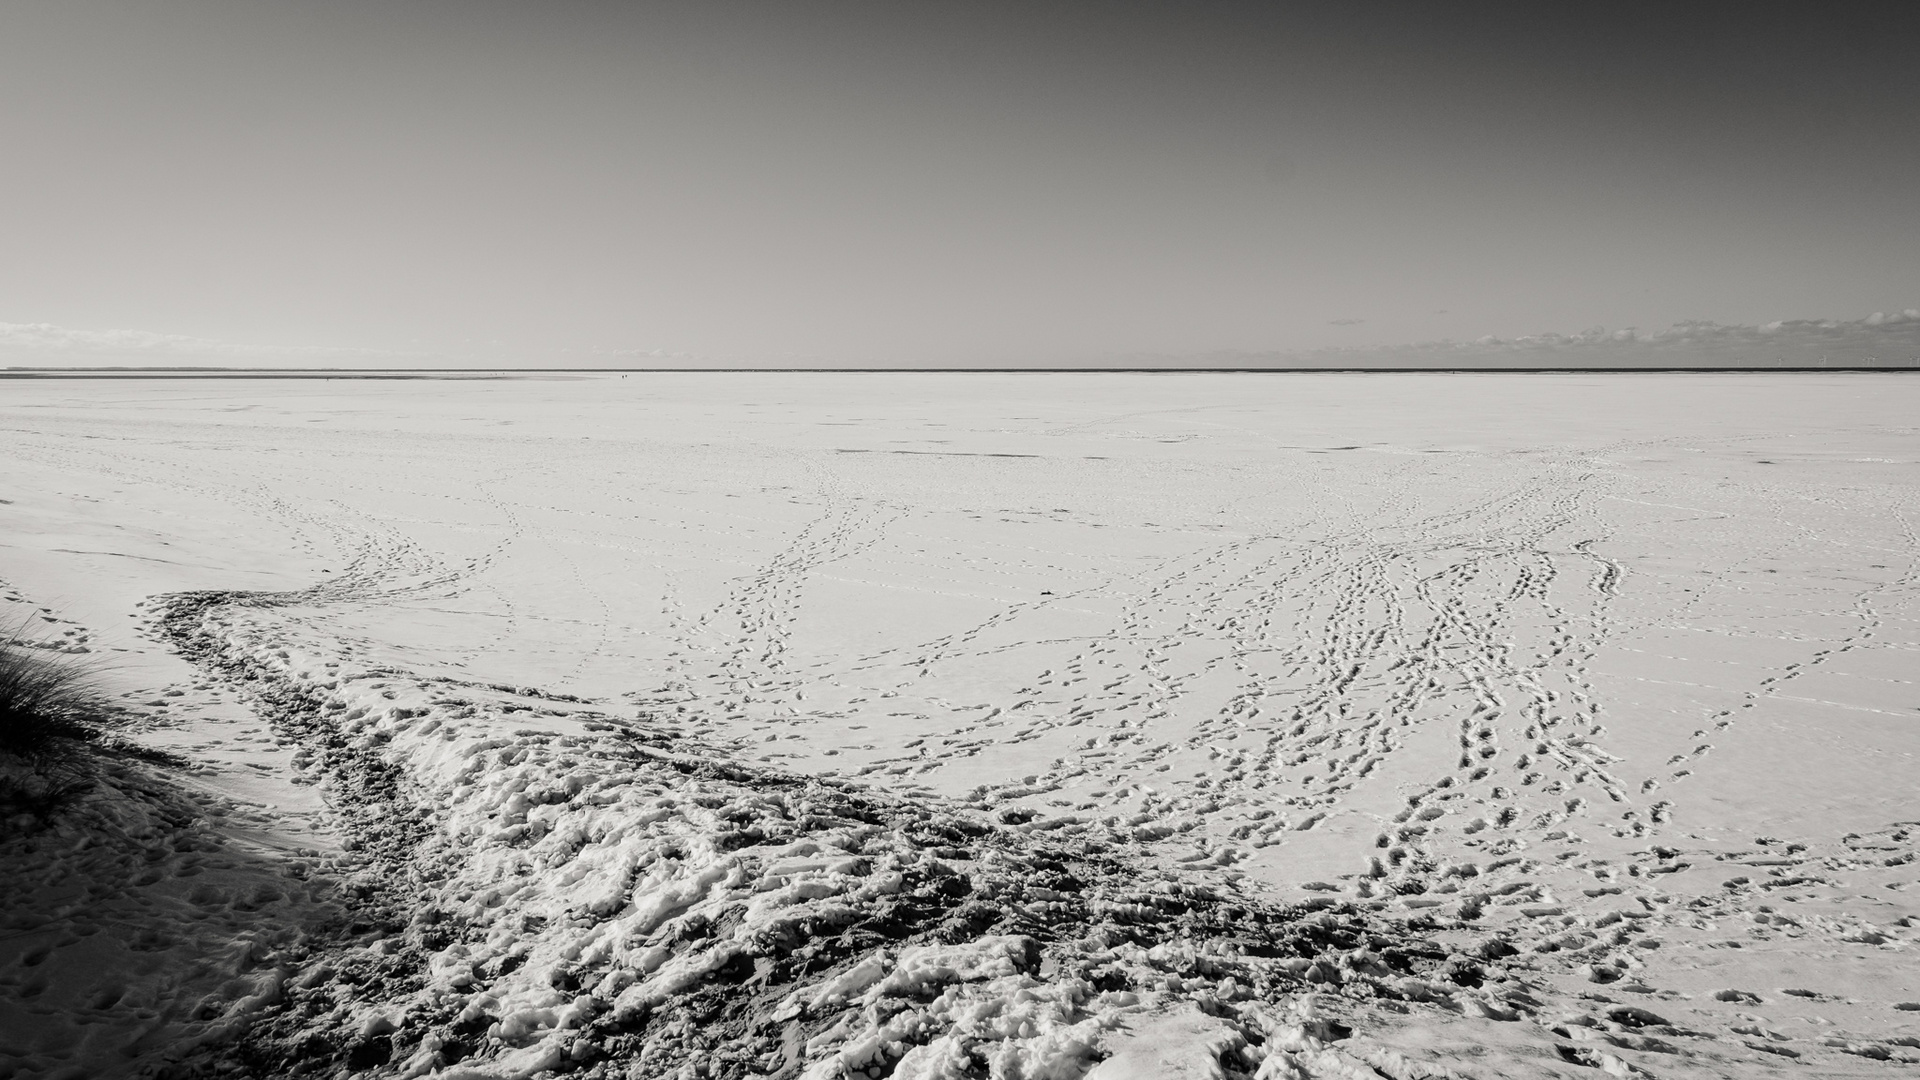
(481, 374)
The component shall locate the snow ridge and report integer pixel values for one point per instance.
(585, 896)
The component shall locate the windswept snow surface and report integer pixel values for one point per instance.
(1031, 726)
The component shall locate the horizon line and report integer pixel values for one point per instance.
(17, 372)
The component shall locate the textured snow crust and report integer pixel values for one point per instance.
(1110, 726)
(589, 897)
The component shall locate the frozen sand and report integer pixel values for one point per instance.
(1536, 656)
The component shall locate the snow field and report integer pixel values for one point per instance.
(1614, 672)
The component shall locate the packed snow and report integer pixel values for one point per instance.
(940, 725)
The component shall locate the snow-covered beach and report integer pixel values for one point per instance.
(943, 725)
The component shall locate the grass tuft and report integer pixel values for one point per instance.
(51, 709)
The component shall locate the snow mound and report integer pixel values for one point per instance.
(572, 894)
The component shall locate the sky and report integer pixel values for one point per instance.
(932, 184)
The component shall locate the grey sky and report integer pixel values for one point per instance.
(917, 183)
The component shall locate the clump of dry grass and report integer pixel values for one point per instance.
(51, 709)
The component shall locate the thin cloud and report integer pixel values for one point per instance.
(50, 338)
(1881, 338)
(62, 345)
(1889, 339)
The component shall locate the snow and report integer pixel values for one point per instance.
(1057, 726)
